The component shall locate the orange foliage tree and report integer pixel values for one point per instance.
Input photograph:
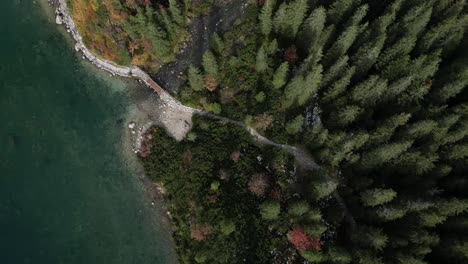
(302, 241)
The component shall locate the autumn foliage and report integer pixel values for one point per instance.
(302, 241)
(199, 232)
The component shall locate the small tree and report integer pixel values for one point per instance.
(377, 196)
(261, 62)
(260, 97)
(279, 78)
(209, 64)
(258, 184)
(298, 208)
(302, 241)
(227, 227)
(195, 79)
(323, 188)
(295, 126)
(265, 19)
(270, 210)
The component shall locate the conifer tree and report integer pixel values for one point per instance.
(195, 78)
(311, 30)
(209, 64)
(384, 153)
(295, 126)
(341, 45)
(217, 43)
(265, 20)
(386, 129)
(175, 13)
(300, 89)
(339, 86)
(270, 210)
(289, 17)
(370, 237)
(377, 196)
(369, 91)
(279, 77)
(346, 115)
(261, 62)
(341, 9)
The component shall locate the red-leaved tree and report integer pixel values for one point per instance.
(302, 241)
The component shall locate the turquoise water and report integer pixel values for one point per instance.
(66, 193)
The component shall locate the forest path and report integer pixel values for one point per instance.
(303, 158)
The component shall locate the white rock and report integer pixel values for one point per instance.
(131, 125)
(58, 20)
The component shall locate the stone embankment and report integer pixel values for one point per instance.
(63, 16)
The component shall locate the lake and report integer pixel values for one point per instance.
(68, 194)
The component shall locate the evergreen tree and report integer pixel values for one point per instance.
(300, 89)
(370, 237)
(261, 62)
(175, 13)
(386, 129)
(346, 115)
(341, 9)
(265, 20)
(298, 208)
(217, 43)
(289, 17)
(195, 78)
(339, 86)
(209, 64)
(311, 30)
(295, 126)
(279, 77)
(344, 41)
(270, 210)
(377, 196)
(384, 153)
(368, 92)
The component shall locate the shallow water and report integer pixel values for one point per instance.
(67, 195)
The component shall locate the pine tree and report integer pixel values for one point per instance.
(175, 13)
(265, 19)
(300, 89)
(335, 71)
(295, 126)
(368, 92)
(195, 79)
(261, 62)
(341, 9)
(390, 213)
(384, 153)
(217, 44)
(323, 188)
(339, 86)
(311, 30)
(209, 64)
(289, 17)
(374, 197)
(386, 129)
(370, 237)
(279, 77)
(298, 208)
(345, 40)
(346, 115)
(270, 210)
